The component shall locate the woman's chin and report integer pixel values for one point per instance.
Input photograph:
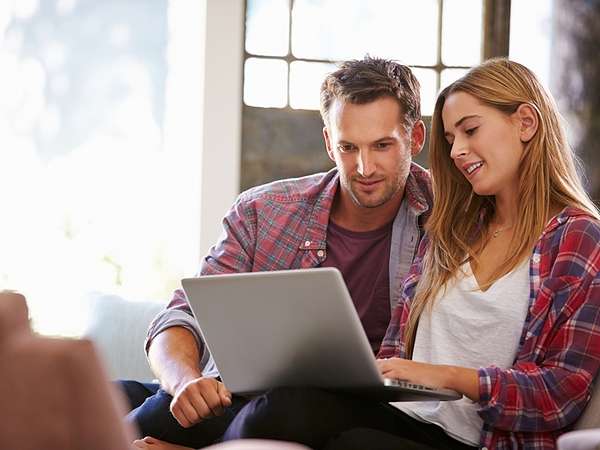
(483, 190)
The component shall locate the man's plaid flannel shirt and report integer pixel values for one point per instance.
(283, 225)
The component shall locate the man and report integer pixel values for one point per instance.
(364, 217)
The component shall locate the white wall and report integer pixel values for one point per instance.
(222, 110)
(203, 119)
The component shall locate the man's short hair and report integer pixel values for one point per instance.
(363, 81)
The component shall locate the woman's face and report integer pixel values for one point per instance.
(485, 144)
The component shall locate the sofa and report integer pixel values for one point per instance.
(118, 328)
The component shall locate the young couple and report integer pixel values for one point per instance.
(499, 300)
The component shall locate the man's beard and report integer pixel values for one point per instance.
(365, 201)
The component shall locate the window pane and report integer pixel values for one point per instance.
(305, 83)
(450, 76)
(385, 28)
(265, 82)
(461, 32)
(427, 79)
(84, 141)
(267, 27)
(531, 36)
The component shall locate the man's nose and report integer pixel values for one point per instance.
(366, 166)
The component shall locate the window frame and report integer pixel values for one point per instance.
(495, 42)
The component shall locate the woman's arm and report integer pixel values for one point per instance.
(550, 384)
(459, 379)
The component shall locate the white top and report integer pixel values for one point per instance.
(470, 328)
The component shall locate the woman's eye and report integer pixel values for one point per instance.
(471, 131)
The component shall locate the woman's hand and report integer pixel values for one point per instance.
(460, 379)
(413, 371)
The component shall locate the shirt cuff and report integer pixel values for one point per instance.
(174, 318)
(486, 376)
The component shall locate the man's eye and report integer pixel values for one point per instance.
(382, 145)
(345, 147)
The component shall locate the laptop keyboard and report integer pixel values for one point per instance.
(406, 384)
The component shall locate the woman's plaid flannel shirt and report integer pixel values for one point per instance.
(540, 397)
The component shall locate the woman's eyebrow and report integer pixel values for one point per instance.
(457, 124)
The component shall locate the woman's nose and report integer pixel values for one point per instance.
(458, 150)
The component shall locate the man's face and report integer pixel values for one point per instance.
(371, 149)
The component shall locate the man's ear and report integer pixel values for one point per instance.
(328, 144)
(417, 137)
(528, 121)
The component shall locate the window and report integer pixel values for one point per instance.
(98, 171)
(531, 39)
(292, 44)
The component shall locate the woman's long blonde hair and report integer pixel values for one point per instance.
(547, 179)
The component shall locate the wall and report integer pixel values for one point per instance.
(221, 122)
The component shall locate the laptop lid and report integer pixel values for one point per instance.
(287, 328)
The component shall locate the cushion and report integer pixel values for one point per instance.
(118, 328)
(579, 440)
(591, 416)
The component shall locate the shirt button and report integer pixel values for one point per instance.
(307, 244)
(536, 258)
(320, 253)
(484, 448)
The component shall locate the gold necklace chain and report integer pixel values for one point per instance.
(495, 233)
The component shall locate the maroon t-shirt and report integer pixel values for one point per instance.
(363, 258)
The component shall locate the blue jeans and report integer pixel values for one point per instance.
(149, 411)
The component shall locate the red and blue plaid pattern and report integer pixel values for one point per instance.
(283, 225)
(540, 397)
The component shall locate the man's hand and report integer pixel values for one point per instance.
(199, 399)
(174, 357)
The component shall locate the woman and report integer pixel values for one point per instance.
(502, 303)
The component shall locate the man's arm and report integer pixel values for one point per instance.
(174, 356)
(233, 253)
(174, 345)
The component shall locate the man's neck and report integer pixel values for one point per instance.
(347, 214)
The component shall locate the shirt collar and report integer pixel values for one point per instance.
(417, 192)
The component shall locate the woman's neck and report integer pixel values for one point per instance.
(506, 211)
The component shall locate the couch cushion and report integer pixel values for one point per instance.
(118, 327)
(591, 416)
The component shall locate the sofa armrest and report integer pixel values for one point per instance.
(579, 440)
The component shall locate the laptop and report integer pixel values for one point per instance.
(292, 328)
